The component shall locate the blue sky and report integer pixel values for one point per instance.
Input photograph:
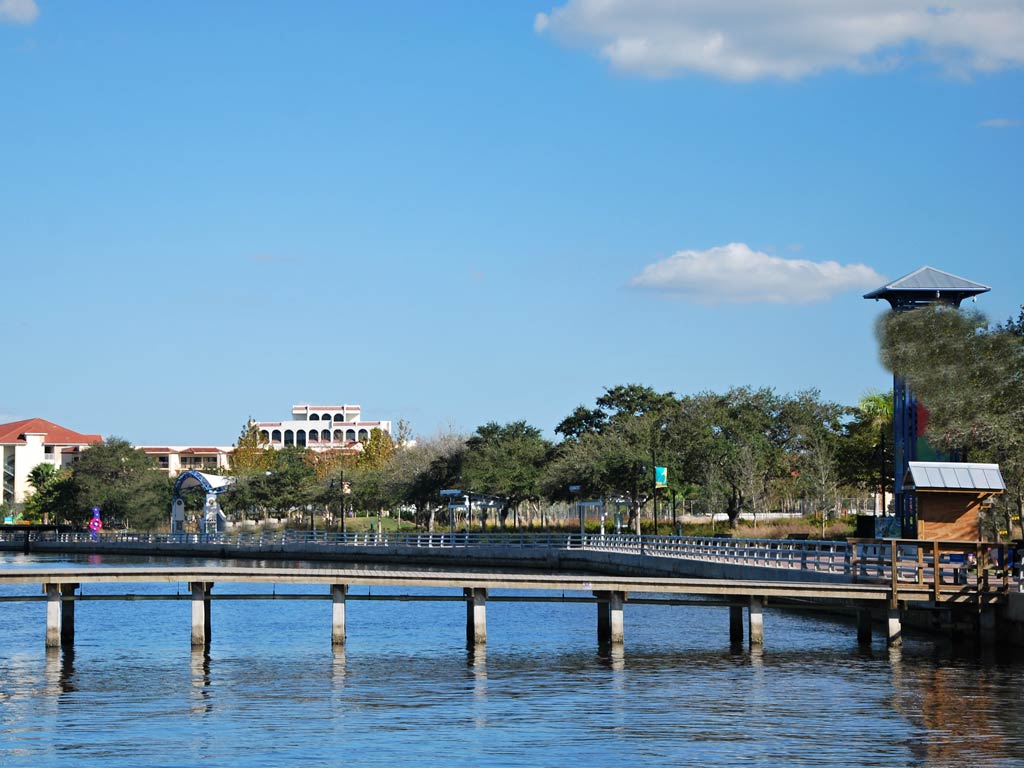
(455, 212)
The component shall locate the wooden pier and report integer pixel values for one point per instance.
(610, 593)
(880, 582)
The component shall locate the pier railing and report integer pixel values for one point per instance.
(914, 569)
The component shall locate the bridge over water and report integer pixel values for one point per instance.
(878, 580)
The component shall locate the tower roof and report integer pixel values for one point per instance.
(926, 286)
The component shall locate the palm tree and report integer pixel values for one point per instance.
(876, 410)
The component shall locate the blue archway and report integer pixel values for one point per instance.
(212, 485)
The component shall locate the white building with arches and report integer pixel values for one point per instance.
(322, 428)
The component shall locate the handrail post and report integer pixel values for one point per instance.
(981, 554)
(936, 571)
(894, 575)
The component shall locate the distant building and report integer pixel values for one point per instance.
(175, 459)
(27, 444)
(322, 428)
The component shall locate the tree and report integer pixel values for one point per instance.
(866, 452)
(970, 376)
(124, 483)
(251, 459)
(506, 460)
(252, 454)
(424, 470)
(52, 495)
(290, 483)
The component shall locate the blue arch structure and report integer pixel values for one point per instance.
(213, 519)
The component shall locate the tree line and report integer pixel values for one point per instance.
(743, 451)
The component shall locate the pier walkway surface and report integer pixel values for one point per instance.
(889, 580)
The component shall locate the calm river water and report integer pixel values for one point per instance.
(270, 692)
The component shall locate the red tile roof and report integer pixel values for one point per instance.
(14, 433)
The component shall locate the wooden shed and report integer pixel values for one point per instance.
(950, 497)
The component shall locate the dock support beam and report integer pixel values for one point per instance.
(755, 620)
(616, 634)
(338, 594)
(67, 614)
(735, 624)
(476, 616)
(53, 615)
(609, 617)
(200, 613)
(604, 626)
(894, 630)
(864, 626)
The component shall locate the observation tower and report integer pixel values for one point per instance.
(920, 288)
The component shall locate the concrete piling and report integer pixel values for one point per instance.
(67, 614)
(476, 616)
(755, 621)
(735, 624)
(894, 629)
(338, 595)
(53, 615)
(864, 626)
(200, 612)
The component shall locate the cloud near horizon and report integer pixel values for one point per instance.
(1001, 122)
(790, 39)
(18, 11)
(737, 274)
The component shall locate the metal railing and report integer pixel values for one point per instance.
(911, 567)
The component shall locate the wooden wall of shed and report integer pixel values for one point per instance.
(945, 516)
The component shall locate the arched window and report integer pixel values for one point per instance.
(264, 436)
(363, 435)
(314, 417)
(339, 435)
(300, 437)
(325, 435)
(314, 436)
(350, 434)
(289, 437)
(275, 437)
(339, 417)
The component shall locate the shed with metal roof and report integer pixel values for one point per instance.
(950, 497)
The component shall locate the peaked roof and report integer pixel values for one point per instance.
(927, 282)
(955, 476)
(14, 433)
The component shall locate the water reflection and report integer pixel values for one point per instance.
(199, 665)
(612, 655)
(338, 663)
(958, 707)
(476, 661)
(60, 669)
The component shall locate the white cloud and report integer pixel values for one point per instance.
(18, 11)
(1001, 122)
(751, 39)
(736, 274)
